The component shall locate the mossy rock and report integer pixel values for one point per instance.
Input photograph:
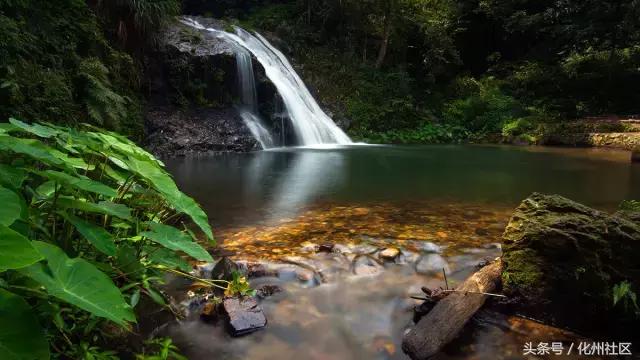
(562, 260)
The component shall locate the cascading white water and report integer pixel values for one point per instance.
(249, 99)
(311, 125)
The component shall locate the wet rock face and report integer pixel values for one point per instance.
(172, 132)
(192, 80)
(244, 315)
(563, 259)
(224, 269)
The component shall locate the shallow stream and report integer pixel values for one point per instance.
(317, 220)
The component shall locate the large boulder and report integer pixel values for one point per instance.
(563, 259)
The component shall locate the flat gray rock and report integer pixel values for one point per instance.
(244, 315)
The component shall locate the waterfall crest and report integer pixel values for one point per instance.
(310, 124)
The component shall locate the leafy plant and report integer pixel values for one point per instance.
(161, 349)
(484, 110)
(239, 286)
(630, 205)
(56, 65)
(622, 293)
(88, 225)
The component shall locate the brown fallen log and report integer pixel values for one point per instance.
(443, 323)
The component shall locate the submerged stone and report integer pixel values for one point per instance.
(426, 246)
(267, 290)
(244, 315)
(364, 265)
(432, 263)
(563, 259)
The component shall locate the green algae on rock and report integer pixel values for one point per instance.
(563, 259)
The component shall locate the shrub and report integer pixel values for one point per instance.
(483, 107)
(428, 133)
(89, 222)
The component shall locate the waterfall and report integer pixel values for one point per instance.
(249, 100)
(310, 124)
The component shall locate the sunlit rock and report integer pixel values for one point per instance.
(309, 247)
(389, 254)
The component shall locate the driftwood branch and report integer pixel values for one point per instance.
(443, 323)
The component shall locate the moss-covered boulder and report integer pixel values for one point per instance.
(563, 259)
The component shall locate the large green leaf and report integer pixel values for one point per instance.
(103, 207)
(164, 184)
(96, 235)
(33, 148)
(16, 251)
(79, 283)
(81, 183)
(174, 239)
(10, 206)
(35, 129)
(47, 189)
(124, 145)
(168, 258)
(6, 127)
(41, 152)
(21, 337)
(12, 177)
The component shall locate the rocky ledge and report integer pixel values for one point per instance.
(173, 132)
(608, 131)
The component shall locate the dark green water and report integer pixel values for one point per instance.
(253, 187)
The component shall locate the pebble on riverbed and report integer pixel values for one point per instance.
(389, 254)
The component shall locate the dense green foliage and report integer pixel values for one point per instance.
(89, 223)
(451, 70)
(58, 65)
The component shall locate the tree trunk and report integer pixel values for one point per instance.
(443, 323)
(382, 53)
(364, 51)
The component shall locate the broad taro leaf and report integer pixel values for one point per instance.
(127, 260)
(33, 148)
(164, 184)
(96, 235)
(123, 145)
(12, 177)
(10, 206)
(82, 183)
(103, 207)
(174, 239)
(47, 189)
(41, 152)
(7, 127)
(35, 129)
(79, 283)
(167, 258)
(21, 337)
(16, 251)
